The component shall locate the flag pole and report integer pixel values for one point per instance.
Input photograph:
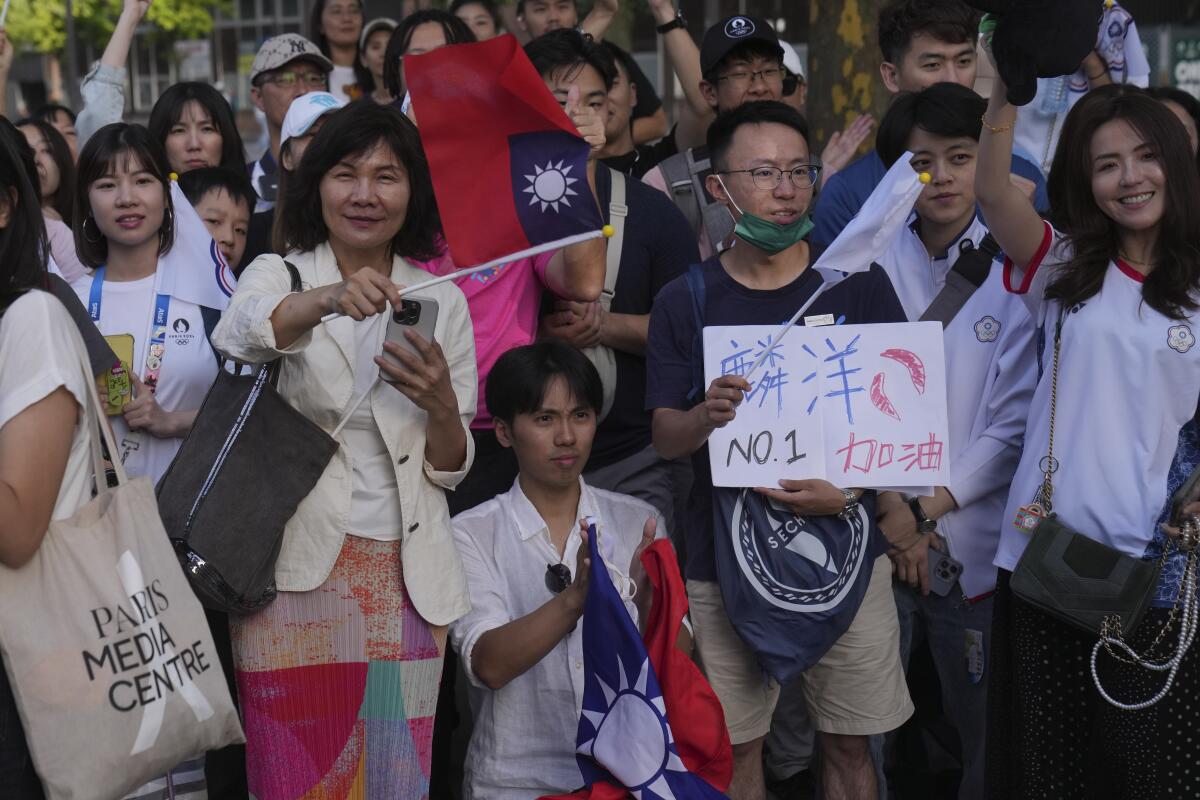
(462, 273)
(787, 326)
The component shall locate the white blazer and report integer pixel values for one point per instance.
(317, 378)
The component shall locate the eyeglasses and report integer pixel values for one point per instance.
(558, 577)
(286, 80)
(767, 178)
(746, 77)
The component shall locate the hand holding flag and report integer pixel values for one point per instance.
(864, 241)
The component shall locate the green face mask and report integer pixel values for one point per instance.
(770, 237)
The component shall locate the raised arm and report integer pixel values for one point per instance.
(684, 58)
(1010, 215)
(599, 18)
(576, 272)
(103, 89)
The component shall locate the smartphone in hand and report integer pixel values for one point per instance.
(417, 314)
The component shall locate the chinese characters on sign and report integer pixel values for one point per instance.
(857, 405)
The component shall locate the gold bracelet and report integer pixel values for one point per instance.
(997, 129)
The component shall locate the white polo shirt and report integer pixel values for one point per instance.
(991, 372)
(1129, 378)
(523, 744)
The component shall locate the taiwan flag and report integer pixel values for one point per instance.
(626, 745)
(509, 169)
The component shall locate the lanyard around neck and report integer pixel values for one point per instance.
(156, 334)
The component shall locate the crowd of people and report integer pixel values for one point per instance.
(426, 638)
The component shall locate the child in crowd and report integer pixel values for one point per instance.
(223, 199)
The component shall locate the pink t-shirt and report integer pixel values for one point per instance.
(504, 303)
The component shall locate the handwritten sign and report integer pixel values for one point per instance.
(857, 405)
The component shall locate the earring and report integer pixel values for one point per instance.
(83, 229)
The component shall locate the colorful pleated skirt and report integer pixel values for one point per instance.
(338, 686)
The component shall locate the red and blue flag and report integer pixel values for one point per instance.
(625, 742)
(509, 168)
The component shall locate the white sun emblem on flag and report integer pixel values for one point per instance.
(550, 185)
(633, 740)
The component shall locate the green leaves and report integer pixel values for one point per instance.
(41, 25)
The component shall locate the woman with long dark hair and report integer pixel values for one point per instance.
(56, 183)
(368, 559)
(195, 126)
(1113, 282)
(335, 27)
(44, 444)
(125, 226)
(420, 32)
(480, 16)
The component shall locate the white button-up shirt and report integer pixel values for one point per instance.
(523, 744)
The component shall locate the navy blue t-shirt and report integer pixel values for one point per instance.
(658, 246)
(864, 297)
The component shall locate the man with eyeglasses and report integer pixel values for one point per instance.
(286, 67)
(741, 60)
(525, 559)
(921, 43)
(845, 655)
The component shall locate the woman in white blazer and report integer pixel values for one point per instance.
(338, 678)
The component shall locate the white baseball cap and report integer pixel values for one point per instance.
(304, 111)
(791, 60)
(378, 24)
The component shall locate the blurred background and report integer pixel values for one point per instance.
(58, 40)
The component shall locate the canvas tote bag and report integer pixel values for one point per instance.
(111, 662)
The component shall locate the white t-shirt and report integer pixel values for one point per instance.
(188, 369)
(375, 496)
(341, 79)
(1129, 378)
(40, 350)
(990, 359)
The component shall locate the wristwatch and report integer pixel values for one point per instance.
(924, 523)
(678, 22)
(851, 504)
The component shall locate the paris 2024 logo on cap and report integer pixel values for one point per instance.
(739, 27)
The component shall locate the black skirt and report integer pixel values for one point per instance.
(1051, 734)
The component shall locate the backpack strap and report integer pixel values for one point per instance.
(617, 212)
(677, 173)
(696, 289)
(969, 272)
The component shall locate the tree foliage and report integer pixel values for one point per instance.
(41, 24)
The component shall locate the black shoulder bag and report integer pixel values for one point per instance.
(236, 481)
(1097, 588)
